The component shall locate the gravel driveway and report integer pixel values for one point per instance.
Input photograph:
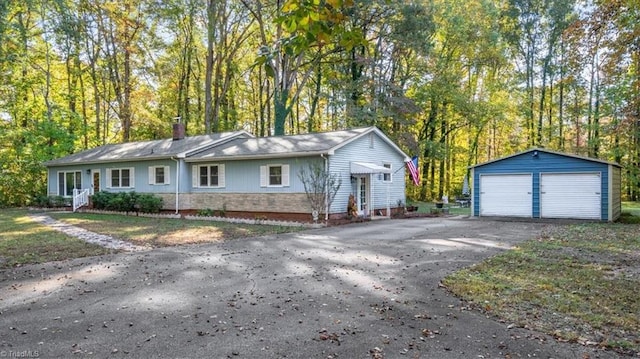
(359, 291)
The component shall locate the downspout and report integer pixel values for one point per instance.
(177, 184)
(326, 194)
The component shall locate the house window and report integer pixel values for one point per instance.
(274, 176)
(371, 140)
(67, 181)
(159, 175)
(387, 176)
(208, 176)
(120, 177)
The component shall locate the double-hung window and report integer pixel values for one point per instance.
(274, 176)
(67, 181)
(159, 175)
(120, 177)
(208, 176)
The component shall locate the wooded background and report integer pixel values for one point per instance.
(455, 82)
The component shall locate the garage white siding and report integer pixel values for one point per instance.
(506, 195)
(570, 195)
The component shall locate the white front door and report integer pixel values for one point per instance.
(362, 195)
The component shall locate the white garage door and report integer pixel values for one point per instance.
(506, 195)
(570, 195)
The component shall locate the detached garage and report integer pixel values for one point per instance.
(539, 183)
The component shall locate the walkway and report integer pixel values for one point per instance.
(85, 235)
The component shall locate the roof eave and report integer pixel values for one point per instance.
(259, 156)
(149, 158)
(547, 151)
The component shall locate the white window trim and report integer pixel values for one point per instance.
(152, 176)
(132, 177)
(265, 178)
(195, 175)
(64, 176)
(390, 167)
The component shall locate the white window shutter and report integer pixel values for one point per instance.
(221, 174)
(195, 176)
(263, 176)
(152, 175)
(108, 182)
(132, 177)
(167, 175)
(285, 175)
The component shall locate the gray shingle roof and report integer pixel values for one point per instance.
(280, 146)
(227, 145)
(144, 150)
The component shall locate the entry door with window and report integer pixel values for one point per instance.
(95, 181)
(362, 196)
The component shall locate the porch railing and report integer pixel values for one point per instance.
(80, 198)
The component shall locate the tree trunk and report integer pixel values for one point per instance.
(208, 100)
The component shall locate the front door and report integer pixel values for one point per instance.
(363, 196)
(95, 188)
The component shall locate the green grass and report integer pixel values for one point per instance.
(454, 209)
(632, 208)
(23, 241)
(579, 283)
(160, 232)
(630, 213)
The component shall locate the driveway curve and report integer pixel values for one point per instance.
(358, 291)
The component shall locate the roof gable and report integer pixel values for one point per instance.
(146, 150)
(536, 149)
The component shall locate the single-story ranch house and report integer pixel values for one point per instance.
(539, 183)
(241, 174)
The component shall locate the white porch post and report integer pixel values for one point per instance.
(372, 207)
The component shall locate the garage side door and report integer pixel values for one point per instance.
(506, 195)
(570, 195)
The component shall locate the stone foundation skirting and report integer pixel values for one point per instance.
(239, 202)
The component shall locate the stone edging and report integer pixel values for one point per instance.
(267, 222)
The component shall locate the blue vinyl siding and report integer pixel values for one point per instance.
(140, 182)
(544, 162)
(360, 150)
(243, 176)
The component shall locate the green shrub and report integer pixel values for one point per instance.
(127, 202)
(101, 199)
(148, 203)
(207, 212)
(41, 200)
(59, 201)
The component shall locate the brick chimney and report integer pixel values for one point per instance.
(178, 131)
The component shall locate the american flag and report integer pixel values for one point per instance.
(413, 170)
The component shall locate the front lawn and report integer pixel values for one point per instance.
(161, 232)
(23, 241)
(579, 283)
(632, 208)
(454, 208)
